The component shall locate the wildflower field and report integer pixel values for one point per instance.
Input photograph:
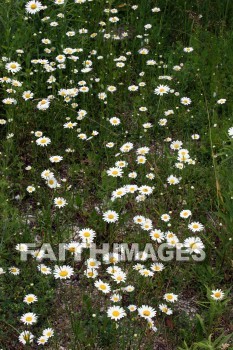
(116, 180)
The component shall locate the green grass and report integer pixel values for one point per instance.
(74, 308)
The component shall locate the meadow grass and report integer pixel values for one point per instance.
(122, 106)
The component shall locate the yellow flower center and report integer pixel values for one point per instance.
(146, 313)
(103, 287)
(63, 273)
(26, 337)
(115, 313)
(29, 318)
(30, 299)
(193, 246)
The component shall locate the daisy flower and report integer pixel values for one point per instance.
(115, 298)
(146, 273)
(170, 297)
(2, 271)
(52, 182)
(161, 90)
(196, 226)
(120, 192)
(173, 180)
(74, 247)
(121, 164)
(55, 159)
(188, 49)
(165, 309)
(48, 332)
(93, 263)
(157, 267)
(116, 312)
(217, 294)
(128, 289)
(9, 101)
(221, 101)
(195, 137)
(126, 147)
(147, 190)
(60, 202)
(141, 160)
(131, 188)
(44, 269)
(102, 286)
(69, 125)
(27, 95)
(119, 277)
(193, 244)
(30, 189)
(146, 311)
(33, 7)
(38, 133)
(157, 235)
(112, 258)
(42, 340)
(46, 174)
(115, 172)
(13, 67)
(87, 234)
(230, 132)
(111, 88)
(110, 216)
(43, 141)
(143, 51)
(139, 219)
(147, 225)
(185, 101)
(29, 318)
(185, 213)
(132, 308)
(133, 88)
(26, 337)
(165, 217)
(63, 272)
(21, 247)
(141, 256)
(90, 273)
(30, 298)
(43, 104)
